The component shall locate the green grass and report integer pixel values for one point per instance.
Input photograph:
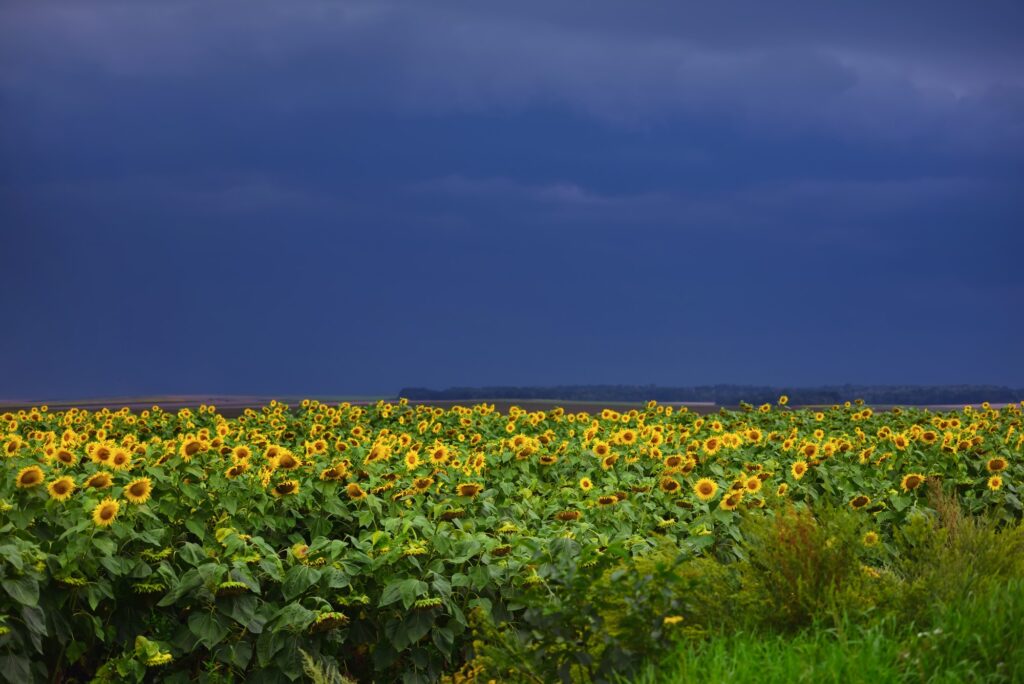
(974, 639)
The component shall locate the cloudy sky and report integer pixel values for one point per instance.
(351, 197)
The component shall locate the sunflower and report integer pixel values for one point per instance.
(100, 480)
(412, 460)
(705, 489)
(607, 500)
(355, 492)
(61, 489)
(731, 502)
(798, 469)
(809, 450)
(627, 437)
(911, 481)
(585, 484)
(995, 482)
(138, 491)
(236, 470)
(566, 516)
(120, 459)
(548, 459)
(601, 449)
(286, 460)
(469, 489)
(608, 461)
(870, 539)
(190, 448)
(860, 501)
(241, 454)
(669, 485)
(439, 454)
(712, 445)
(753, 484)
(422, 484)
(65, 457)
(105, 512)
(783, 488)
(11, 446)
(997, 464)
(673, 461)
(900, 441)
(285, 488)
(29, 476)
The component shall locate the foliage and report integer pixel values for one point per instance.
(189, 547)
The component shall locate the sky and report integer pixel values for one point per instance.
(329, 198)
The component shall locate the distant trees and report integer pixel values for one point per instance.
(731, 395)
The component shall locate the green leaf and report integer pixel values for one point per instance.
(12, 555)
(197, 528)
(209, 630)
(267, 646)
(189, 581)
(16, 668)
(298, 579)
(24, 590)
(293, 616)
(193, 554)
(34, 619)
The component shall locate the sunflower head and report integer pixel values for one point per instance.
(105, 512)
(65, 457)
(705, 489)
(100, 480)
(859, 501)
(28, 477)
(470, 489)
(996, 465)
(798, 469)
(995, 482)
(911, 481)
(138, 491)
(732, 501)
(61, 489)
(355, 492)
(285, 488)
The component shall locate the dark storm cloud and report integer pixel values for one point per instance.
(477, 193)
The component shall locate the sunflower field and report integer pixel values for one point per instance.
(388, 541)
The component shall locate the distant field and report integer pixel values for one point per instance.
(232, 406)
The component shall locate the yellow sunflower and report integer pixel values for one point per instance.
(469, 489)
(285, 488)
(412, 460)
(28, 477)
(732, 501)
(138, 491)
(798, 469)
(61, 489)
(65, 457)
(355, 492)
(705, 489)
(859, 501)
(669, 485)
(911, 481)
(100, 480)
(995, 482)
(105, 512)
(585, 484)
(996, 465)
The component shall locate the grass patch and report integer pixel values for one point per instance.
(973, 639)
